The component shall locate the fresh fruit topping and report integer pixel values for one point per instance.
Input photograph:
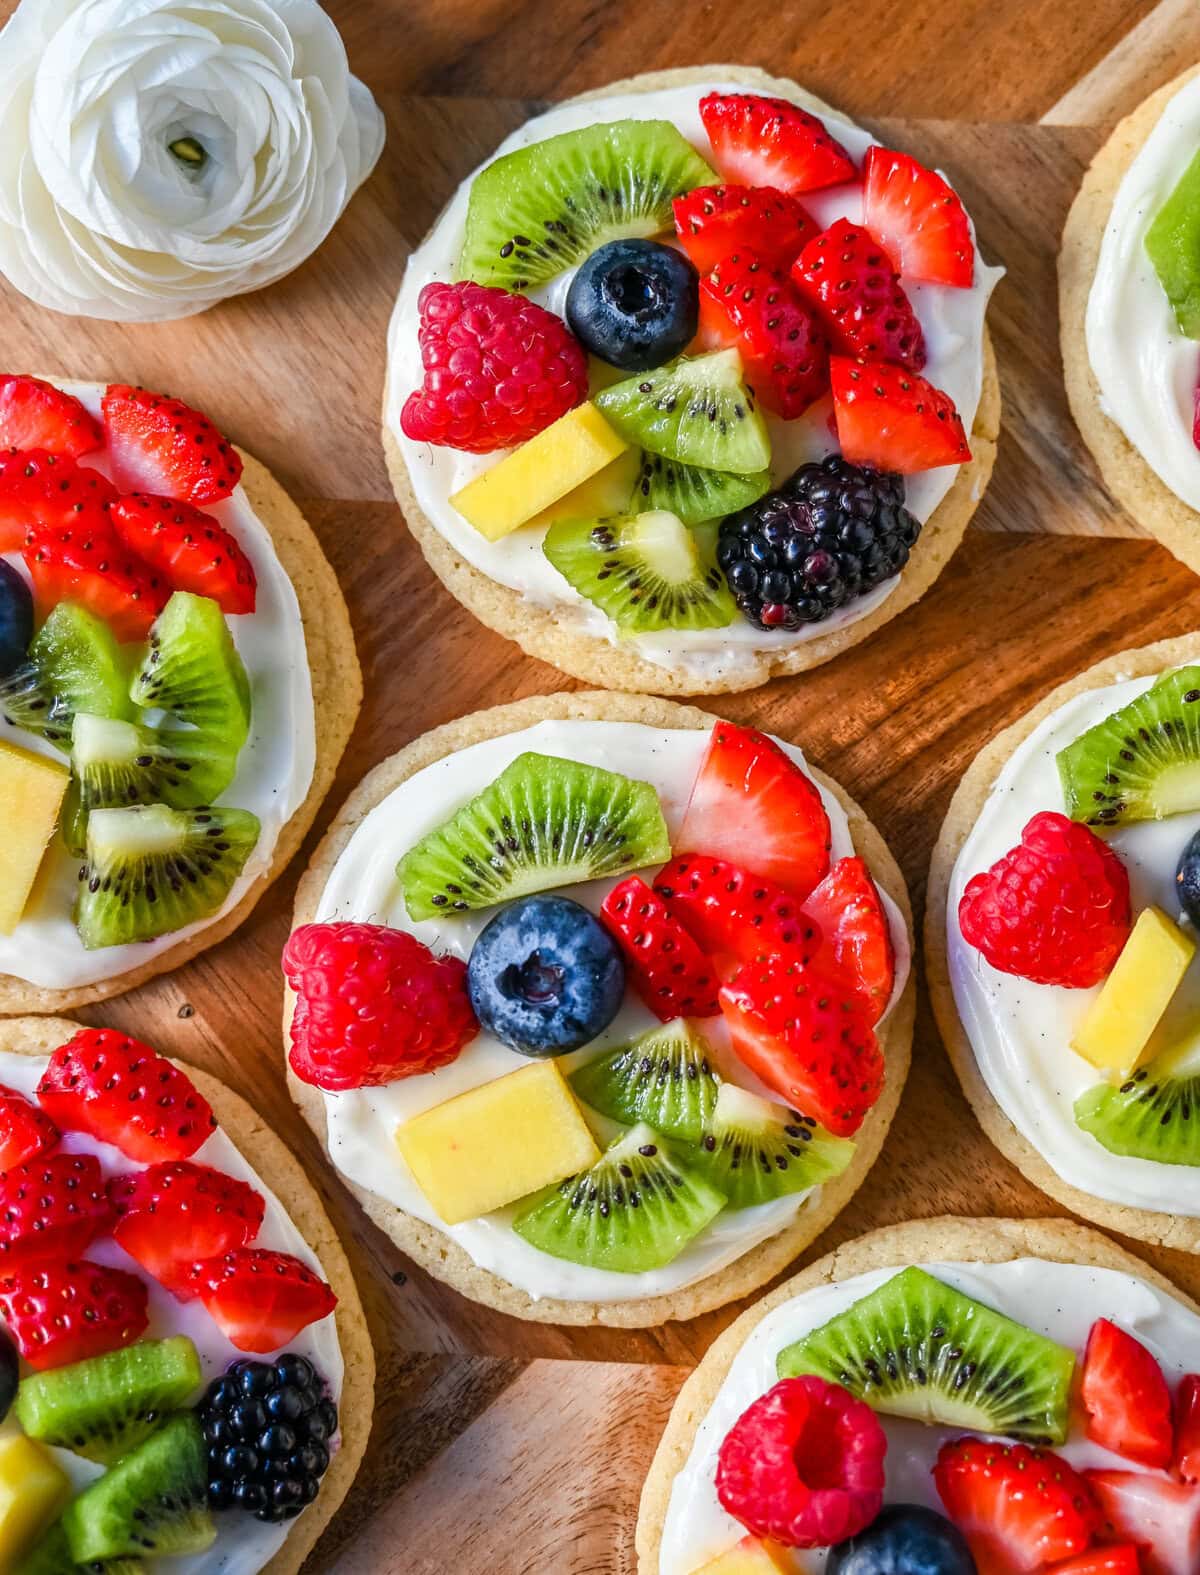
(918, 1348)
(848, 278)
(750, 1556)
(66, 1312)
(1024, 1507)
(189, 549)
(33, 1488)
(904, 1539)
(1173, 243)
(260, 1300)
(162, 446)
(543, 822)
(16, 618)
(31, 794)
(1122, 1559)
(34, 414)
(192, 669)
(372, 1005)
(849, 913)
(892, 419)
(118, 1091)
(1151, 1113)
(51, 1207)
(1055, 909)
(753, 805)
(496, 1143)
(10, 1374)
(833, 532)
(748, 305)
(696, 411)
(663, 963)
(1187, 878)
(714, 221)
(772, 142)
(1116, 1030)
(636, 1208)
(754, 1151)
(1162, 1517)
(25, 1131)
(691, 494)
(803, 1465)
(40, 491)
(85, 562)
(605, 492)
(734, 916)
(173, 1213)
(545, 976)
(667, 1079)
(268, 1428)
(918, 217)
(75, 664)
(1125, 1398)
(634, 304)
(1185, 1461)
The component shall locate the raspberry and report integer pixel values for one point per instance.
(373, 1005)
(498, 369)
(803, 1465)
(1054, 910)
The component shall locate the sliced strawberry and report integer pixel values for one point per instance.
(173, 1214)
(667, 968)
(162, 446)
(1117, 1559)
(893, 419)
(119, 1091)
(1186, 1459)
(1125, 1397)
(772, 142)
(34, 414)
(918, 217)
(46, 491)
(189, 549)
(66, 1312)
(734, 916)
(745, 304)
(84, 562)
(713, 221)
(848, 278)
(849, 913)
(259, 1300)
(1161, 1516)
(1018, 1507)
(25, 1131)
(52, 1207)
(752, 804)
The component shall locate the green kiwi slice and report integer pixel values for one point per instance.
(74, 664)
(1143, 761)
(149, 870)
(1173, 246)
(52, 1556)
(1154, 1113)
(151, 1504)
(538, 210)
(667, 1078)
(635, 1209)
(192, 669)
(696, 410)
(755, 1151)
(645, 571)
(694, 495)
(543, 822)
(918, 1348)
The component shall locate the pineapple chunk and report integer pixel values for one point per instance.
(1114, 1034)
(537, 474)
(33, 1489)
(31, 794)
(497, 1143)
(601, 496)
(750, 1557)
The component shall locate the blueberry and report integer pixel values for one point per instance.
(545, 976)
(904, 1539)
(635, 304)
(1187, 879)
(16, 618)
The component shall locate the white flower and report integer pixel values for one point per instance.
(157, 156)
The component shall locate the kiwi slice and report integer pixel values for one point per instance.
(192, 669)
(543, 822)
(1173, 246)
(694, 495)
(635, 1209)
(697, 411)
(150, 870)
(645, 571)
(918, 1348)
(106, 1406)
(74, 664)
(538, 210)
(1154, 1113)
(1143, 761)
(755, 1151)
(666, 1078)
(52, 1556)
(151, 1504)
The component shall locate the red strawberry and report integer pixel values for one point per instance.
(47, 491)
(1125, 1397)
(918, 217)
(66, 1312)
(177, 1212)
(1021, 1507)
(666, 967)
(846, 276)
(806, 1033)
(734, 916)
(772, 142)
(259, 1300)
(189, 549)
(713, 221)
(34, 414)
(1118, 1560)
(745, 304)
(848, 912)
(51, 1208)
(160, 445)
(84, 562)
(1161, 1516)
(752, 804)
(894, 420)
(1186, 1460)
(25, 1131)
(118, 1091)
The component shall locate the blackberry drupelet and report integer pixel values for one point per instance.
(832, 532)
(267, 1426)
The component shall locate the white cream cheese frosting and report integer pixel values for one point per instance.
(952, 320)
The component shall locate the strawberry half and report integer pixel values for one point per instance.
(66, 1312)
(772, 142)
(84, 562)
(1186, 1458)
(173, 1214)
(51, 1208)
(162, 446)
(848, 911)
(1125, 1397)
(918, 217)
(1017, 1506)
(259, 1300)
(666, 966)
(893, 419)
(1122, 1559)
(41, 491)
(1161, 1516)
(745, 304)
(25, 1131)
(189, 549)
(713, 221)
(34, 414)
(734, 916)
(845, 275)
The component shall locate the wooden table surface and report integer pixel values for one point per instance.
(495, 1449)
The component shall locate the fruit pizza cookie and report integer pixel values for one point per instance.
(948, 1397)
(601, 1007)
(177, 684)
(689, 385)
(186, 1378)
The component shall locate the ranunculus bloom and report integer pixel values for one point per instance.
(157, 156)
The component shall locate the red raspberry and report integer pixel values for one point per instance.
(373, 1005)
(1054, 910)
(803, 1465)
(498, 369)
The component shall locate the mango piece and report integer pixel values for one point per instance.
(750, 1556)
(1114, 1034)
(33, 1490)
(497, 1143)
(601, 496)
(540, 472)
(31, 794)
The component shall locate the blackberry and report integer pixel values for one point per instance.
(832, 532)
(267, 1426)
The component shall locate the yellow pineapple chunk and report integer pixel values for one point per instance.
(1114, 1034)
(31, 794)
(540, 472)
(33, 1489)
(601, 496)
(750, 1557)
(497, 1143)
